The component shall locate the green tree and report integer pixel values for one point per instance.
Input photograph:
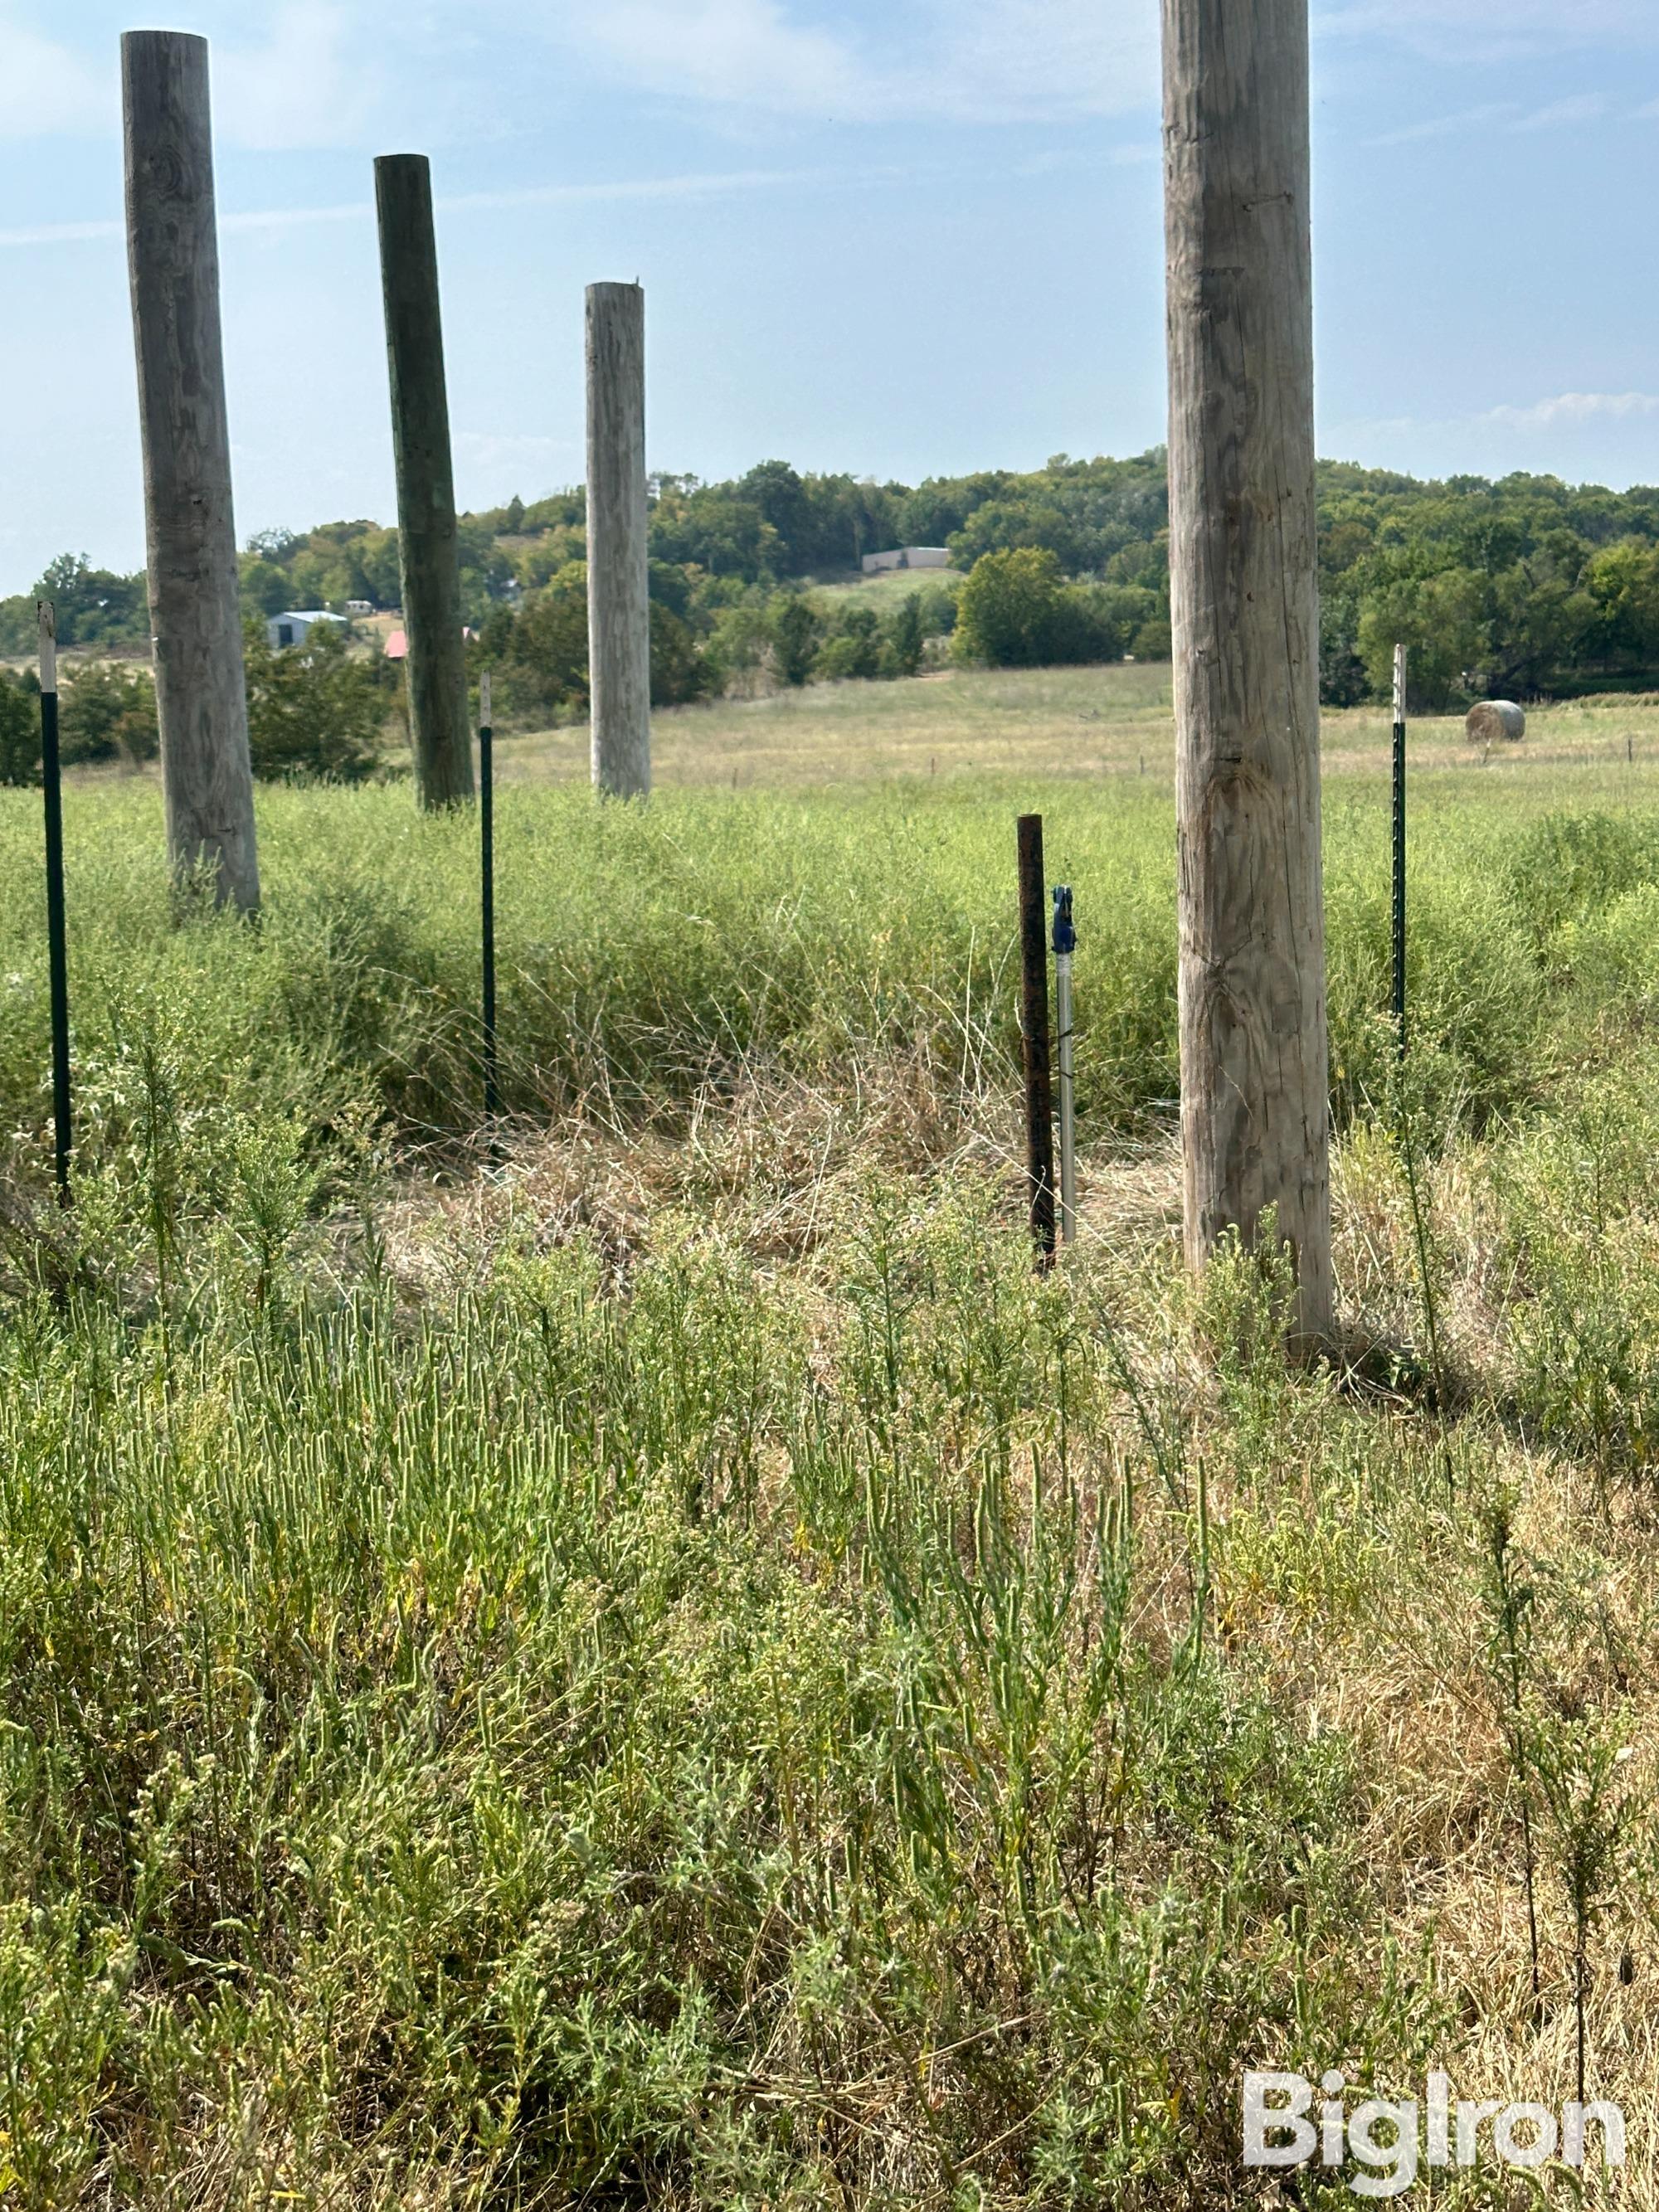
(94, 607)
(853, 648)
(906, 640)
(795, 634)
(108, 712)
(546, 645)
(19, 731)
(316, 711)
(678, 674)
(1437, 618)
(1012, 610)
(264, 586)
(1623, 582)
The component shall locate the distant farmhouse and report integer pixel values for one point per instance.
(290, 629)
(908, 556)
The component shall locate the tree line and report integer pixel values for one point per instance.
(1526, 584)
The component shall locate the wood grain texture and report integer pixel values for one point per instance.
(618, 596)
(428, 541)
(1254, 1065)
(173, 256)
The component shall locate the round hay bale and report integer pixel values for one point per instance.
(1495, 722)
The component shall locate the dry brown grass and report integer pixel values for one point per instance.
(1361, 1603)
(1052, 722)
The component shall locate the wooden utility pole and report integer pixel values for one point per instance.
(428, 543)
(1254, 1077)
(618, 575)
(196, 621)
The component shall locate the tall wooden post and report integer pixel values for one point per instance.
(1254, 1077)
(173, 253)
(428, 543)
(618, 574)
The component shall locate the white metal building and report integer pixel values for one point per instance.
(290, 629)
(908, 556)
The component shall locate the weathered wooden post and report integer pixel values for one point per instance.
(173, 253)
(1254, 1078)
(618, 575)
(428, 543)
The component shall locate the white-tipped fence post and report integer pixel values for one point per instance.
(1065, 944)
(618, 574)
(56, 930)
(173, 253)
(429, 537)
(1399, 912)
(1254, 1079)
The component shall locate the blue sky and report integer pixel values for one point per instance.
(901, 237)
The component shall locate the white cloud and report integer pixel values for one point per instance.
(1494, 29)
(962, 60)
(744, 51)
(488, 450)
(308, 85)
(1444, 126)
(45, 87)
(1582, 107)
(698, 185)
(1563, 411)
(1570, 408)
(1004, 60)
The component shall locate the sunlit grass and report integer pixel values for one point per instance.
(642, 1657)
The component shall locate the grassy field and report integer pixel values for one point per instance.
(1052, 723)
(640, 1657)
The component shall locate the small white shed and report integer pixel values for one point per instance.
(291, 628)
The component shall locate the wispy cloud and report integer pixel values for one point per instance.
(308, 83)
(694, 185)
(958, 60)
(1563, 410)
(1491, 30)
(1581, 107)
(1574, 407)
(306, 73)
(488, 450)
(46, 88)
(1444, 126)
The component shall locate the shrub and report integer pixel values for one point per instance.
(108, 712)
(795, 632)
(20, 732)
(314, 710)
(544, 646)
(906, 640)
(1017, 612)
(678, 673)
(854, 649)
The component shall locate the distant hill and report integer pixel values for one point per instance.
(1526, 584)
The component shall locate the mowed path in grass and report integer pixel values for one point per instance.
(1050, 722)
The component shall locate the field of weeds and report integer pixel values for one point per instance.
(641, 1657)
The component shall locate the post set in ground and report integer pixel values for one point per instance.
(618, 570)
(429, 537)
(195, 619)
(1254, 1077)
(1253, 1022)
